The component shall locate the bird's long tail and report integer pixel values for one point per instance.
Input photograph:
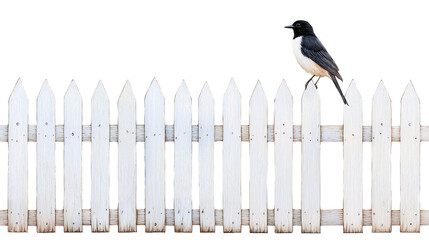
(339, 88)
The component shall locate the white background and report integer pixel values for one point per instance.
(200, 41)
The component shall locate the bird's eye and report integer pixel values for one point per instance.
(298, 25)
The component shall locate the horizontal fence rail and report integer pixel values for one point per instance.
(329, 217)
(328, 133)
(155, 133)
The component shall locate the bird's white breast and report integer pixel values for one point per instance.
(306, 63)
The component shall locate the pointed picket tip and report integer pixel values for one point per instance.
(258, 93)
(283, 92)
(73, 90)
(154, 88)
(100, 92)
(310, 91)
(18, 91)
(127, 93)
(45, 90)
(352, 91)
(381, 92)
(182, 91)
(410, 93)
(232, 89)
(206, 93)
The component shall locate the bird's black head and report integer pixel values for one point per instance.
(301, 28)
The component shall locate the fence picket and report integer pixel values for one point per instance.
(155, 159)
(45, 160)
(410, 160)
(310, 166)
(381, 190)
(127, 165)
(206, 159)
(353, 150)
(258, 124)
(154, 133)
(231, 159)
(182, 160)
(18, 160)
(283, 140)
(72, 159)
(100, 160)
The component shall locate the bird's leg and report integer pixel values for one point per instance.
(309, 81)
(317, 82)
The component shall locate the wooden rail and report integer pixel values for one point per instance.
(328, 133)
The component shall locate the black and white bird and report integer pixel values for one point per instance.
(312, 56)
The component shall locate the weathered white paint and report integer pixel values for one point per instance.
(283, 142)
(73, 160)
(155, 159)
(353, 159)
(258, 123)
(182, 160)
(18, 160)
(206, 159)
(45, 163)
(410, 160)
(100, 160)
(231, 159)
(310, 165)
(127, 165)
(381, 190)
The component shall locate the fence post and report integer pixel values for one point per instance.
(45, 160)
(127, 165)
(182, 160)
(232, 159)
(154, 119)
(206, 159)
(410, 160)
(381, 190)
(18, 160)
(100, 137)
(72, 159)
(283, 142)
(353, 159)
(258, 136)
(310, 165)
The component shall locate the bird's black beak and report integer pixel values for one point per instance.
(290, 26)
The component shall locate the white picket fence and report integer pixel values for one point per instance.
(154, 133)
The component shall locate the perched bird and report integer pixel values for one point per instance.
(312, 56)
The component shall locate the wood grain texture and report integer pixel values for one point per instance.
(231, 159)
(17, 203)
(73, 159)
(206, 159)
(183, 160)
(283, 143)
(100, 160)
(310, 163)
(381, 190)
(258, 154)
(127, 164)
(154, 119)
(353, 162)
(45, 162)
(410, 160)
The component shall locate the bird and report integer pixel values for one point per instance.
(312, 56)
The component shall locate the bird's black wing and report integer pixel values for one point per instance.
(312, 48)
